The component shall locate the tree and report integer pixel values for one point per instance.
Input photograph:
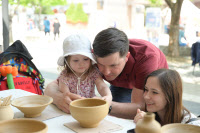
(173, 48)
(156, 3)
(175, 7)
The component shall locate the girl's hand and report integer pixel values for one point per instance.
(108, 99)
(140, 115)
(65, 101)
(97, 97)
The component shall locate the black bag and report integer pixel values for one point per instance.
(29, 77)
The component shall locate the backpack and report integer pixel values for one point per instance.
(29, 77)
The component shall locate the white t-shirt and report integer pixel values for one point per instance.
(192, 120)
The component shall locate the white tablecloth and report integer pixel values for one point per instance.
(55, 125)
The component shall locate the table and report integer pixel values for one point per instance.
(55, 125)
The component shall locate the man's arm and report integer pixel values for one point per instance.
(129, 110)
(60, 99)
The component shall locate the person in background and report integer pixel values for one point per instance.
(163, 96)
(182, 38)
(56, 28)
(46, 26)
(30, 24)
(124, 64)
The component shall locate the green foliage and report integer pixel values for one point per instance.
(39, 2)
(57, 2)
(12, 2)
(76, 14)
(45, 10)
(83, 17)
(43, 4)
(156, 3)
(70, 11)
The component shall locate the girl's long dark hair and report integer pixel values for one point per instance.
(171, 85)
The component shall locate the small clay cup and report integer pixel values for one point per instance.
(6, 113)
(89, 112)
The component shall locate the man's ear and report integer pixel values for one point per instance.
(127, 56)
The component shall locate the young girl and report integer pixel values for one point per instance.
(163, 96)
(80, 75)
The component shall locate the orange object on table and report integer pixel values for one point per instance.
(9, 71)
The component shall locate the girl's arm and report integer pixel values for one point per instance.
(62, 87)
(103, 89)
(65, 90)
(61, 95)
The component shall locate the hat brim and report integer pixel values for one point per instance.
(89, 55)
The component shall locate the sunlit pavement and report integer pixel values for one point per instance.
(191, 83)
(45, 51)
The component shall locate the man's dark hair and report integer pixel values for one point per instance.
(110, 41)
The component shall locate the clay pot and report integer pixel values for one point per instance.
(180, 128)
(89, 112)
(32, 106)
(6, 113)
(148, 124)
(23, 126)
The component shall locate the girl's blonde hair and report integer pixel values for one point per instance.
(69, 71)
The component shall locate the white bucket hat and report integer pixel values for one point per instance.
(76, 44)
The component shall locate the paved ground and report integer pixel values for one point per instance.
(45, 52)
(191, 82)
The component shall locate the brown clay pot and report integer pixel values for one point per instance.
(23, 126)
(89, 111)
(148, 124)
(32, 106)
(180, 128)
(6, 113)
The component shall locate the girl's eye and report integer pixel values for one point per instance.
(155, 92)
(86, 59)
(75, 60)
(145, 89)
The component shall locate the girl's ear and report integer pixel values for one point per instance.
(127, 56)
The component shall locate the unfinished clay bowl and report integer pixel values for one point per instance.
(180, 128)
(23, 126)
(89, 112)
(32, 106)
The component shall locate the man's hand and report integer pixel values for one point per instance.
(60, 99)
(65, 101)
